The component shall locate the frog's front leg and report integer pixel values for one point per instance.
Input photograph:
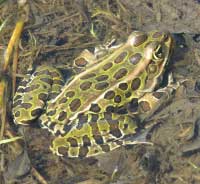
(103, 133)
(151, 102)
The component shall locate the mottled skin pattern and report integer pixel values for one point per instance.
(94, 113)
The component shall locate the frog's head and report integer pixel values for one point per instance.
(156, 48)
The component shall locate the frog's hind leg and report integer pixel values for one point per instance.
(86, 151)
(62, 147)
(34, 92)
(96, 137)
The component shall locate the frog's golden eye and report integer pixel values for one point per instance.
(158, 53)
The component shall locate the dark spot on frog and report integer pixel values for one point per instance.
(82, 119)
(26, 105)
(120, 73)
(67, 128)
(134, 59)
(62, 116)
(58, 133)
(107, 66)
(36, 112)
(63, 151)
(135, 84)
(52, 125)
(123, 86)
(88, 76)
(85, 85)
(73, 142)
(114, 128)
(125, 126)
(110, 108)
(83, 151)
(43, 96)
(70, 94)
(101, 85)
(120, 58)
(107, 115)
(17, 114)
(95, 108)
(132, 106)
(62, 100)
(128, 94)
(117, 99)
(102, 77)
(31, 88)
(51, 112)
(75, 104)
(16, 103)
(121, 110)
(94, 117)
(86, 141)
(139, 39)
(95, 128)
(98, 139)
(109, 95)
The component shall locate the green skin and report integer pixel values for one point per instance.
(84, 114)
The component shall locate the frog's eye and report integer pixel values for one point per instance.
(158, 52)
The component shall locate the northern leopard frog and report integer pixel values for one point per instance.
(96, 111)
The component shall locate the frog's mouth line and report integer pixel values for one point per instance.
(163, 78)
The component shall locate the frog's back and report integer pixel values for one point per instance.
(110, 83)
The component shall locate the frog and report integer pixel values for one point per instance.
(105, 105)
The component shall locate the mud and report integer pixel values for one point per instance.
(56, 33)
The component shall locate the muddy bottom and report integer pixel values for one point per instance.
(56, 33)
